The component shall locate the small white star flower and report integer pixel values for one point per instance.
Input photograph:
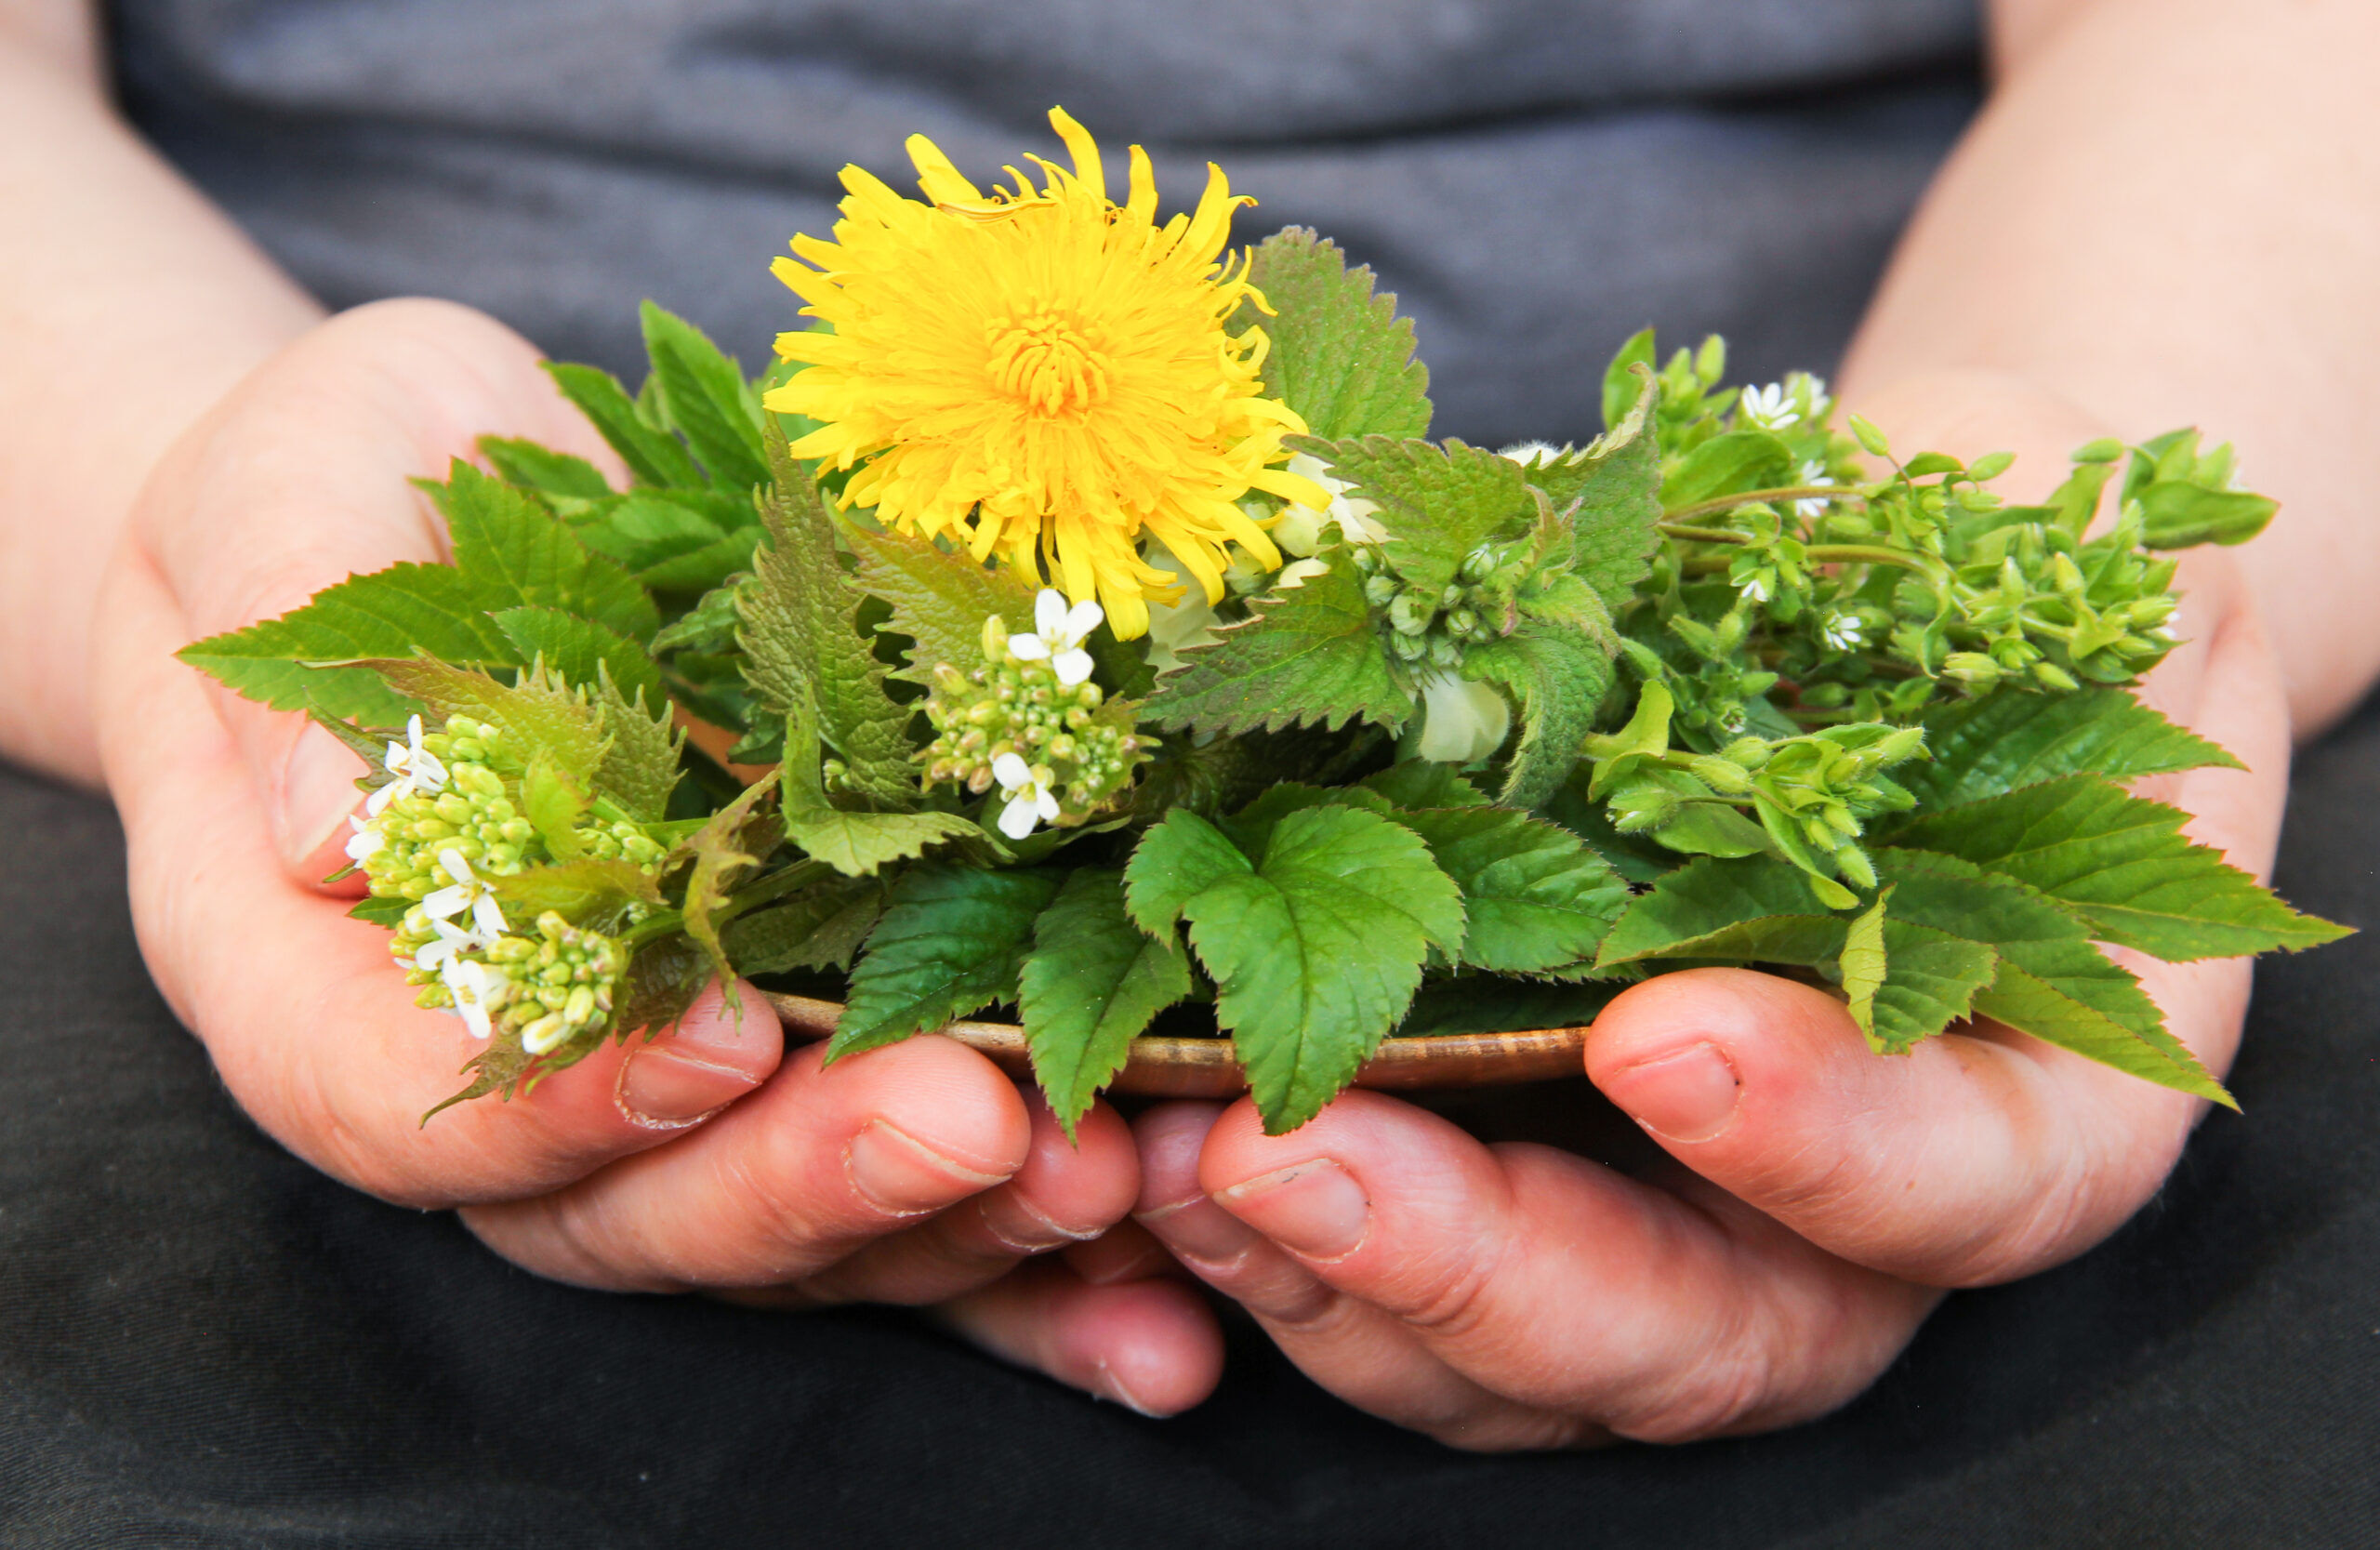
(1058, 634)
(1756, 589)
(1813, 475)
(1769, 408)
(467, 894)
(452, 941)
(1030, 801)
(1843, 631)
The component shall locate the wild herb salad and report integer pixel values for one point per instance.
(1121, 644)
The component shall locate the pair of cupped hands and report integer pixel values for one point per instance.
(1813, 1202)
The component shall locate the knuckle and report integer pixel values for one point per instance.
(1452, 1300)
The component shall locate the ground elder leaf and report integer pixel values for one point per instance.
(1091, 986)
(1754, 909)
(951, 942)
(653, 456)
(705, 396)
(1534, 897)
(518, 554)
(1931, 980)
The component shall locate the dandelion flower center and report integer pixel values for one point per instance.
(1044, 375)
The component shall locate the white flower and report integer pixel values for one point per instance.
(366, 841)
(1061, 631)
(1461, 722)
(1843, 631)
(1030, 799)
(478, 990)
(467, 894)
(415, 768)
(1813, 475)
(1174, 627)
(1300, 530)
(1770, 408)
(452, 943)
(1533, 452)
(1756, 589)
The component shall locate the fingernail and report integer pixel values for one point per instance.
(317, 794)
(682, 1078)
(1023, 1229)
(1687, 1096)
(1314, 1209)
(902, 1176)
(1198, 1229)
(1107, 1385)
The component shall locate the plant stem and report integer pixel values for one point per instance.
(1759, 498)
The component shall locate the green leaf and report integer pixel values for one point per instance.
(1623, 384)
(581, 651)
(723, 849)
(1316, 947)
(1534, 897)
(1425, 783)
(544, 469)
(704, 394)
(1611, 494)
(663, 980)
(1755, 909)
(1931, 980)
(2122, 863)
(854, 843)
(553, 801)
(537, 714)
(1339, 355)
(820, 927)
(641, 768)
(1308, 652)
(1091, 986)
(653, 456)
(802, 636)
(590, 892)
(1560, 677)
(2000, 742)
(1730, 464)
(939, 600)
(951, 942)
(1437, 502)
(518, 555)
(1487, 1004)
(1862, 964)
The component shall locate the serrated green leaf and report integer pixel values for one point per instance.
(820, 927)
(542, 469)
(641, 767)
(854, 843)
(1305, 653)
(553, 801)
(951, 942)
(1610, 496)
(1756, 908)
(802, 637)
(1437, 502)
(1534, 897)
(1425, 783)
(581, 651)
(590, 891)
(723, 850)
(1091, 986)
(538, 713)
(939, 600)
(1862, 964)
(1931, 980)
(1339, 355)
(653, 456)
(518, 554)
(2030, 1004)
(1315, 953)
(662, 982)
(1175, 862)
(703, 393)
(2122, 863)
(1560, 677)
(1625, 379)
(1981, 747)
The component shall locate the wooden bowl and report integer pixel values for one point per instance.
(1207, 1068)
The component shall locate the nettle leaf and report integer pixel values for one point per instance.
(1755, 909)
(1316, 947)
(1438, 502)
(951, 942)
(653, 456)
(1560, 677)
(1093, 985)
(731, 843)
(1534, 899)
(1981, 747)
(1931, 979)
(820, 927)
(939, 600)
(1611, 492)
(588, 892)
(542, 469)
(802, 636)
(1339, 355)
(855, 844)
(641, 769)
(1425, 783)
(539, 714)
(663, 981)
(2122, 863)
(704, 394)
(2053, 982)
(1625, 379)
(518, 555)
(1308, 652)
(581, 651)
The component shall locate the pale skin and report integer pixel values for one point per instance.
(2165, 216)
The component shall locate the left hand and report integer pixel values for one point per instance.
(1816, 1200)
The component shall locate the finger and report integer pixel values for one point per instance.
(1360, 1352)
(1065, 1193)
(1151, 1345)
(815, 1165)
(1577, 1296)
(1126, 1252)
(307, 1021)
(302, 476)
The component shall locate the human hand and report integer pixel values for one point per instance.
(1815, 1197)
(703, 1160)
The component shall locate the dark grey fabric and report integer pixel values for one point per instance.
(1536, 178)
(203, 1343)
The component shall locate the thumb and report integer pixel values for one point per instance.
(300, 478)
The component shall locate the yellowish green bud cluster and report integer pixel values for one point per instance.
(1020, 708)
(547, 988)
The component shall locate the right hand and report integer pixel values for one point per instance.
(701, 1159)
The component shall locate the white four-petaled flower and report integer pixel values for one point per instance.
(1030, 801)
(1058, 634)
(474, 985)
(414, 767)
(466, 894)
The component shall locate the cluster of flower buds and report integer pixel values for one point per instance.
(1028, 721)
(546, 989)
(1434, 627)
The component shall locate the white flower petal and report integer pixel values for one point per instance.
(365, 844)
(1012, 772)
(1018, 817)
(488, 915)
(447, 902)
(433, 954)
(456, 867)
(1046, 804)
(1461, 722)
(1049, 613)
(1081, 619)
(1073, 666)
(1027, 648)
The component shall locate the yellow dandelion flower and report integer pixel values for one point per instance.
(1043, 374)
